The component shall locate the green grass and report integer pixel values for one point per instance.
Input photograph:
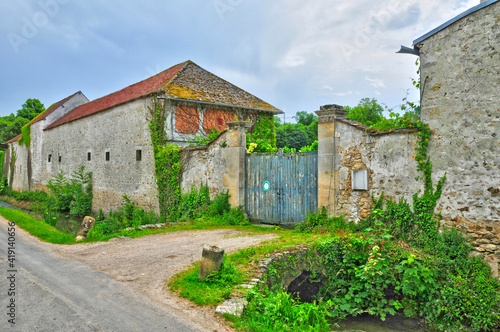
(242, 265)
(215, 289)
(36, 227)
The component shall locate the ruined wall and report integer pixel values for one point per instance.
(460, 84)
(204, 164)
(388, 159)
(117, 133)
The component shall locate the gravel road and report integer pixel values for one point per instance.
(109, 286)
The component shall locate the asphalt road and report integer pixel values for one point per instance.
(56, 294)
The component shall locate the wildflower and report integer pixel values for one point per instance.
(418, 121)
(53, 217)
(421, 161)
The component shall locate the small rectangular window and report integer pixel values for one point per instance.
(107, 156)
(59, 158)
(89, 156)
(138, 155)
(50, 157)
(359, 179)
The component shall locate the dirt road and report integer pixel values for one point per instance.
(143, 264)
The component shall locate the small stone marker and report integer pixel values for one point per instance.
(211, 260)
(85, 227)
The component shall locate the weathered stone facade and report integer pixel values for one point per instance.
(460, 83)
(346, 146)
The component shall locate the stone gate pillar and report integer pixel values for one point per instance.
(234, 154)
(329, 160)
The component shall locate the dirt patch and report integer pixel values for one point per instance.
(145, 263)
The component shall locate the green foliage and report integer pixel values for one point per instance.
(216, 287)
(297, 136)
(191, 203)
(167, 165)
(128, 215)
(312, 147)
(26, 135)
(396, 121)
(263, 136)
(11, 125)
(72, 195)
(305, 118)
(367, 112)
(320, 223)
(3, 178)
(35, 227)
(30, 109)
(204, 140)
(278, 311)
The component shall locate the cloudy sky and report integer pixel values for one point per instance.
(295, 54)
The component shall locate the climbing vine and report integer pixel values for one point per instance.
(263, 137)
(12, 165)
(167, 164)
(25, 135)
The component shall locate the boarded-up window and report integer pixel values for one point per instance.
(217, 119)
(187, 120)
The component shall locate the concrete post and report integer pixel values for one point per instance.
(234, 154)
(328, 156)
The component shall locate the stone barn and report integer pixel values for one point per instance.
(110, 136)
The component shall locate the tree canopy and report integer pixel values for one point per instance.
(367, 112)
(10, 125)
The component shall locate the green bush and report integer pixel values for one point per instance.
(278, 311)
(320, 223)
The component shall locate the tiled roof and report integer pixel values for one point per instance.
(183, 81)
(52, 108)
(143, 88)
(15, 139)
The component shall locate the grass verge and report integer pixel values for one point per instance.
(36, 227)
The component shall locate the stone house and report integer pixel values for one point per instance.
(110, 136)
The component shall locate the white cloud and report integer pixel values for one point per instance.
(375, 82)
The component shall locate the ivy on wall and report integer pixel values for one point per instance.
(12, 165)
(263, 137)
(25, 135)
(167, 164)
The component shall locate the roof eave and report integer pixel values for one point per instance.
(453, 20)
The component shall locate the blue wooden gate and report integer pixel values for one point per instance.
(281, 188)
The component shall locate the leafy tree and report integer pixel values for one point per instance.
(367, 112)
(305, 118)
(292, 136)
(30, 109)
(10, 125)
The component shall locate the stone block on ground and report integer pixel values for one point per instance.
(211, 260)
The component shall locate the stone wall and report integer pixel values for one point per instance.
(460, 84)
(346, 145)
(204, 164)
(20, 180)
